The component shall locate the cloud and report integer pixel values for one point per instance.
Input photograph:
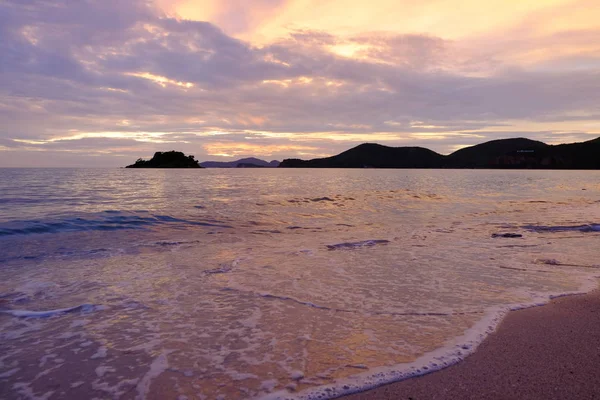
(88, 77)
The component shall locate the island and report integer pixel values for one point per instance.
(167, 159)
(251, 162)
(516, 153)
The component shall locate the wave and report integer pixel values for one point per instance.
(50, 313)
(105, 221)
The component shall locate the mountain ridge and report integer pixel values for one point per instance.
(513, 153)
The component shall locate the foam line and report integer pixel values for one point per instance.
(342, 310)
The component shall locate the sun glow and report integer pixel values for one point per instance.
(350, 50)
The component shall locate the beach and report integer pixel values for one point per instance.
(548, 352)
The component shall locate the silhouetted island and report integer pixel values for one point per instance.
(168, 159)
(516, 153)
(250, 162)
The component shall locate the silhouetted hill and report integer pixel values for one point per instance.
(248, 162)
(505, 153)
(372, 155)
(488, 154)
(584, 155)
(168, 159)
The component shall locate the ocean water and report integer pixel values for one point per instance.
(273, 283)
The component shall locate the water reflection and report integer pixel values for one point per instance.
(221, 282)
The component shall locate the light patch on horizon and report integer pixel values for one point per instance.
(227, 149)
(152, 137)
(110, 89)
(286, 83)
(351, 137)
(587, 127)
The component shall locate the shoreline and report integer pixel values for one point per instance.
(551, 351)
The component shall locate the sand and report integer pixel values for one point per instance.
(549, 352)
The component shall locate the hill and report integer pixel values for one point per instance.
(168, 159)
(250, 162)
(491, 153)
(372, 155)
(517, 153)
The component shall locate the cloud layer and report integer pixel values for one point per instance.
(116, 80)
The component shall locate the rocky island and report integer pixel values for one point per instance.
(168, 159)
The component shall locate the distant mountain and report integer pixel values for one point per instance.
(505, 154)
(250, 162)
(169, 159)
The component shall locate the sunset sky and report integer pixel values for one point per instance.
(104, 82)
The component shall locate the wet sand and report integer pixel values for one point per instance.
(549, 352)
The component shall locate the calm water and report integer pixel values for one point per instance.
(231, 284)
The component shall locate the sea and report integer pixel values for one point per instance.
(273, 283)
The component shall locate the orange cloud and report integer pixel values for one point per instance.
(521, 33)
(262, 21)
(251, 120)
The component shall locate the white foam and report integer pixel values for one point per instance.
(103, 370)
(45, 358)
(269, 385)
(9, 373)
(27, 392)
(240, 376)
(100, 353)
(453, 352)
(297, 375)
(118, 390)
(158, 366)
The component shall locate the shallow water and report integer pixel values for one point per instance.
(272, 282)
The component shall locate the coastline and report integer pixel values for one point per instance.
(546, 352)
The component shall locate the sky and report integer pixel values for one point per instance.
(101, 83)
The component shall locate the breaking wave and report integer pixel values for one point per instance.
(105, 221)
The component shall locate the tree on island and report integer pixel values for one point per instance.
(168, 159)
